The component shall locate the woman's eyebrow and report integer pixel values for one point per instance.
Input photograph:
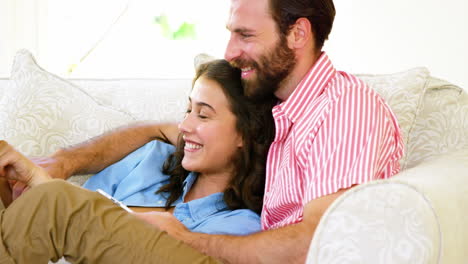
(205, 104)
(200, 104)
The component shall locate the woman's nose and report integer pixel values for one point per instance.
(186, 125)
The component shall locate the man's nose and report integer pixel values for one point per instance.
(233, 50)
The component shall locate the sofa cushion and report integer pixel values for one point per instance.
(403, 91)
(41, 112)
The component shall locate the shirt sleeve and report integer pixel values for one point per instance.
(109, 178)
(359, 141)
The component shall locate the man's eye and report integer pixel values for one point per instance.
(244, 35)
(202, 117)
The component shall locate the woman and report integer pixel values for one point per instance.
(219, 143)
(219, 140)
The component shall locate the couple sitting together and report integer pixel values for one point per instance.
(271, 137)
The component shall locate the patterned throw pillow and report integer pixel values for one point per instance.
(441, 126)
(41, 112)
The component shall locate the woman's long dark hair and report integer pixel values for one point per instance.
(255, 124)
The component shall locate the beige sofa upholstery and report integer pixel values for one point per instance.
(418, 216)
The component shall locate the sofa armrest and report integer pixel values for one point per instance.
(418, 216)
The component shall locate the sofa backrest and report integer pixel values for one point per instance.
(432, 113)
(145, 99)
(403, 92)
(3, 84)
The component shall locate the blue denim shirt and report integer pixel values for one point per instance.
(135, 179)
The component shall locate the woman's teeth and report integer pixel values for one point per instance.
(192, 146)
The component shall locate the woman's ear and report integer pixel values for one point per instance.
(240, 142)
(301, 34)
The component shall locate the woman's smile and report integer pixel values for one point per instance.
(192, 147)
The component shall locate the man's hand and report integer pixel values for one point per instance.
(53, 166)
(14, 166)
(166, 222)
(50, 164)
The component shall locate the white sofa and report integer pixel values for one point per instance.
(418, 216)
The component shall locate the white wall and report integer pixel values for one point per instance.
(18, 29)
(6, 37)
(369, 36)
(70, 34)
(384, 36)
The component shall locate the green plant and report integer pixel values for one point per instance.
(184, 31)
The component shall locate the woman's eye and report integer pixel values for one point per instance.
(202, 117)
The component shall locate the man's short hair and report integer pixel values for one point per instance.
(320, 13)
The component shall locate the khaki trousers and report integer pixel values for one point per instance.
(58, 219)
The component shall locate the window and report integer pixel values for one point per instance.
(114, 38)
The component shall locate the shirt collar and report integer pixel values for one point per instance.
(188, 182)
(206, 206)
(311, 86)
(202, 207)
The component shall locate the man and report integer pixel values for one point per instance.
(332, 131)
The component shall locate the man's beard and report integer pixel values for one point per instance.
(272, 71)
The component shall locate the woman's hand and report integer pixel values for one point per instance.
(15, 166)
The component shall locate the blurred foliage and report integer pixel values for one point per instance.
(184, 31)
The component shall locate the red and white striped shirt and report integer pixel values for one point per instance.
(332, 132)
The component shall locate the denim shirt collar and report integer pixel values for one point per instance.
(188, 183)
(198, 208)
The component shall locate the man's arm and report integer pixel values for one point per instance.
(289, 244)
(97, 153)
